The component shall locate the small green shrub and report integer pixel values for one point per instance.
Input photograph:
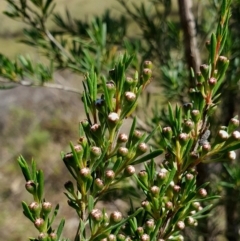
(161, 163)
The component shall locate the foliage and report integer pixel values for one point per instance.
(104, 159)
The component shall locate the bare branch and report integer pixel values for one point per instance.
(189, 30)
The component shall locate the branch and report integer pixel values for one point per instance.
(189, 30)
(47, 85)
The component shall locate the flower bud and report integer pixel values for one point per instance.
(130, 83)
(46, 207)
(193, 156)
(142, 148)
(196, 205)
(206, 147)
(30, 186)
(143, 177)
(150, 224)
(189, 176)
(85, 173)
(43, 237)
(68, 158)
(222, 65)
(121, 237)
(212, 81)
(122, 151)
(183, 138)
(199, 77)
(179, 238)
(202, 192)
(130, 96)
(111, 237)
(113, 119)
(236, 135)
(176, 188)
(233, 124)
(147, 73)
(155, 191)
(96, 215)
(140, 231)
(122, 138)
(188, 125)
(53, 236)
(137, 135)
(222, 136)
(109, 175)
(95, 152)
(83, 141)
(146, 205)
(86, 126)
(147, 64)
(196, 115)
(111, 87)
(180, 225)
(98, 184)
(145, 237)
(190, 221)
(161, 177)
(232, 155)
(96, 130)
(116, 217)
(204, 68)
(129, 171)
(167, 132)
(35, 208)
(39, 224)
(169, 205)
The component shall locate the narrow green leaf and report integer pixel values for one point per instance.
(101, 159)
(148, 157)
(131, 132)
(142, 185)
(27, 212)
(109, 102)
(170, 112)
(40, 187)
(213, 48)
(75, 156)
(60, 229)
(55, 212)
(34, 171)
(24, 167)
(231, 147)
(205, 209)
(46, 6)
(170, 178)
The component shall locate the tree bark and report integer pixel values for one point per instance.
(189, 29)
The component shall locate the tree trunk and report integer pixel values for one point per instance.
(189, 29)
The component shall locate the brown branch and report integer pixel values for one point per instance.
(189, 31)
